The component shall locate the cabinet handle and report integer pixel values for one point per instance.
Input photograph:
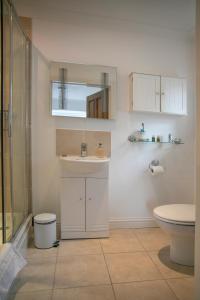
(162, 93)
(81, 198)
(90, 199)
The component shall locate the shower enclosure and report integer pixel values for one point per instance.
(15, 156)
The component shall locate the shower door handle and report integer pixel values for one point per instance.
(9, 120)
(5, 120)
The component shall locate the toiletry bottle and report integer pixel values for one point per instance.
(100, 152)
(142, 128)
(158, 139)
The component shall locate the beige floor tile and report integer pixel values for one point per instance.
(122, 233)
(127, 267)
(167, 267)
(32, 252)
(36, 275)
(79, 247)
(121, 241)
(183, 288)
(84, 293)
(146, 290)
(81, 270)
(43, 295)
(152, 238)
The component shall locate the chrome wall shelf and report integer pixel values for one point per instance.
(150, 142)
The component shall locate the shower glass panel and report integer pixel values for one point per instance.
(19, 126)
(15, 171)
(1, 118)
(6, 76)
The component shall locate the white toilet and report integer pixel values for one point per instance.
(179, 221)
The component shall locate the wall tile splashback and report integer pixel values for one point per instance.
(68, 141)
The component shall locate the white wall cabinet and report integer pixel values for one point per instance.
(159, 94)
(84, 207)
(173, 95)
(145, 92)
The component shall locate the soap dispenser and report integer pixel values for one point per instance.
(100, 152)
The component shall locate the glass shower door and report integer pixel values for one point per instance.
(1, 123)
(5, 139)
(15, 171)
(19, 101)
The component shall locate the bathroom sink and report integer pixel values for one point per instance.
(88, 164)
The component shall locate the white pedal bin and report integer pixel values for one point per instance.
(45, 230)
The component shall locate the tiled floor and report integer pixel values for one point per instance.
(133, 264)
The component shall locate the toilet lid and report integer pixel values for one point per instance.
(176, 213)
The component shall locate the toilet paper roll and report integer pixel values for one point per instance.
(156, 170)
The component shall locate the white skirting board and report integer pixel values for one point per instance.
(84, 235)
(125, 223)
(132, 223)
(11, 258)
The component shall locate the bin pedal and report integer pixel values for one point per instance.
(56, 243)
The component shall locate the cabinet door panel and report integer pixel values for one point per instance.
(146, 92)
(96, 204)
(73, 204)
(173, 95)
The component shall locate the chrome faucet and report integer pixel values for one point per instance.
(83, 149)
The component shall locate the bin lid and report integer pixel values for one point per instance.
(44, 218)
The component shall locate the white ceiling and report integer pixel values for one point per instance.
(171, 14)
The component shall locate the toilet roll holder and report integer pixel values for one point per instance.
(152, 167)
(154, 163)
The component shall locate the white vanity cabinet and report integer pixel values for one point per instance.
(154, 93)
(73, 204)
(84, 205)
(96, 204)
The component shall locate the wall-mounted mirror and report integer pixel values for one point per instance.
(84, 91)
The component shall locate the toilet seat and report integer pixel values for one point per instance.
(180, 214)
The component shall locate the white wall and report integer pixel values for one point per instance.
(130, 46)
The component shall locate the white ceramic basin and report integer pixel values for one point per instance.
(88, 164)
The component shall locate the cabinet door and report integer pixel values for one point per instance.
(96, 204)
(146, 92)
(173, 95)
(73, 204)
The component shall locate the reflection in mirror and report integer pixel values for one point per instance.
(83, 91)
